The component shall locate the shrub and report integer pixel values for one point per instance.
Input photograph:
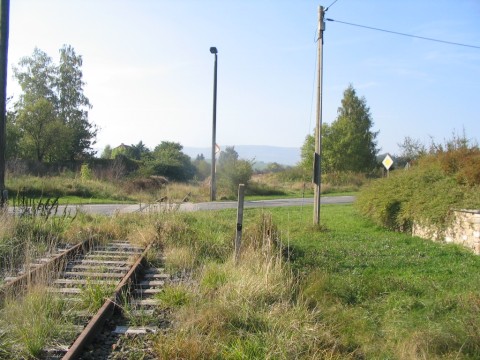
(425, 193)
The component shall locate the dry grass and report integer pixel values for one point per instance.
(179, 259)
(32, 323)
(247, 310)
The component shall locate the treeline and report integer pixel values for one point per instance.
(168, 159)
(48, 129)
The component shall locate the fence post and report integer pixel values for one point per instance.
(238, 237)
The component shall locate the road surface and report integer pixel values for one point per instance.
(112, 209)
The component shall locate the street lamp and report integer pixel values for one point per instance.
(214, 51)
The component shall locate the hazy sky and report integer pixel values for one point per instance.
(149, 72)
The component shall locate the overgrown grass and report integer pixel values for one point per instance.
(352, 290)
(93, 295)
(423, 194)
(280, 185)
(72, 189)
(75, 190)
(65, 187)
(388, 295)
(22, 239)
(31, 324)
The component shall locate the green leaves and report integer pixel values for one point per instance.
(348, 144)
(51, 118)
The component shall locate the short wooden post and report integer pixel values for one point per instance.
(238, 237)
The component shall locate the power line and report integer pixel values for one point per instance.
(403, 34)
(329, 6)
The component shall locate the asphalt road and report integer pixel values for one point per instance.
(112, 209)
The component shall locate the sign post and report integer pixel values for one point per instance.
(387, 162)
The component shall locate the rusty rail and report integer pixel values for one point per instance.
(17, 285)
(105, 312)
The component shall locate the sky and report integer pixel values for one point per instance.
(149, 72)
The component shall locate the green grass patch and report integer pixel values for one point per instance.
(32, 323)
(388, 294)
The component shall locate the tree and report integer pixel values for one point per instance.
(140, 151)
(411, 149)
(170, 161)
(13, 137)
(348, 144)
(36, 77)
(202, 167)
(73, 105)
(107, 152)
(232, 171)
(61, 87)
(43, 133)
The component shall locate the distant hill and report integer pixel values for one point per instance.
(260, 153)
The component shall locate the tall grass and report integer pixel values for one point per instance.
(25, 238)
(32, 323)
(247, 311)
(64, 187)
(75, 189)
(349, 291)
(234, 311)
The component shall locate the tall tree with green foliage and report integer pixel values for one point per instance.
(73, 105)
(348, 144)
(52, 95)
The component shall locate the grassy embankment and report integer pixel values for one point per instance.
(73, 190)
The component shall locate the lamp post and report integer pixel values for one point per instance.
(214, 51)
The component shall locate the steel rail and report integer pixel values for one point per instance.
(18, 284)
(105, 312)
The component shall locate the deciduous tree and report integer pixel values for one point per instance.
(73, 105)
(55, 92)
(170, 161)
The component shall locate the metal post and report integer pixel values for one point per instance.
(317, 171)
(4, 28)
(213, 50)
(238, 237)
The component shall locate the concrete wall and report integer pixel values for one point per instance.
(464, 230)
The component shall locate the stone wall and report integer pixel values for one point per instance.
(464, 230)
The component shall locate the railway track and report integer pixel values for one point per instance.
(112, 276)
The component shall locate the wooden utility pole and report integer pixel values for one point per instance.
(317, 161)
(4, 27)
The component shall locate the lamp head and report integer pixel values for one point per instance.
(213, 50)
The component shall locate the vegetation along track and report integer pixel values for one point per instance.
(104, 277)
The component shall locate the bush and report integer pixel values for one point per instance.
(426, 193)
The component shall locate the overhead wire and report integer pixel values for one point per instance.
(404, 34)
(329, 6)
